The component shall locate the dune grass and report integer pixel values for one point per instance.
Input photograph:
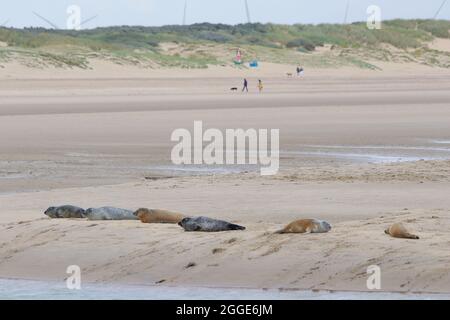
(352, 44)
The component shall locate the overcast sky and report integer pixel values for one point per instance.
(162, 12)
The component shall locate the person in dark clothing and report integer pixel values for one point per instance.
(245, 85)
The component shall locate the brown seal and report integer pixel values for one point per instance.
(158, 216)
(398, 230)
(306, 225)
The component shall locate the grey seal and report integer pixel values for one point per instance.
(66, 212)
(110, 213)
(205, 224)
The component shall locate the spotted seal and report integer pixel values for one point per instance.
(65, 212)
(110, 213)
(205, 224)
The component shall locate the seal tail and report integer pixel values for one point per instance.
(236, 227)
(412, 236)
(281, 231)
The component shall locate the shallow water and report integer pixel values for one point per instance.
(85, 169)
(441, 141)
(41, 290)
(197, 170)
(327, 153)
(373, 154)
(340, 153)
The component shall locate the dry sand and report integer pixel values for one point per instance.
(93, 139)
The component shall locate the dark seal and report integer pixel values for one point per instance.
(204, 224)
(65, 212)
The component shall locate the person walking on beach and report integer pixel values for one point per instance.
(245, 85)
(260, 86)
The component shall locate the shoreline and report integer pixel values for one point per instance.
(53, 289)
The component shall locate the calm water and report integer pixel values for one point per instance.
(435, 150)
(26, 289)
(198, 170)
(438, 150)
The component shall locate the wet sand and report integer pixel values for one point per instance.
(359, 151)
(72, 132)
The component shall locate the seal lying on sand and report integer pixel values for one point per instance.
(306, 225)
(110, 213)
(158, 216)
(397, 230)
(207, 225)
(65, 212)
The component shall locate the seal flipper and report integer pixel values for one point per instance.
(236, 227)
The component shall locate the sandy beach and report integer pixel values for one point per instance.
(360, 149)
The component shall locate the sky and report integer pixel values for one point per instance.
(19, 13)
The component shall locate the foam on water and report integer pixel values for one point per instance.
(373, 154)
(369, 158)
(370, 147)
(441, 141)
(27, 289)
